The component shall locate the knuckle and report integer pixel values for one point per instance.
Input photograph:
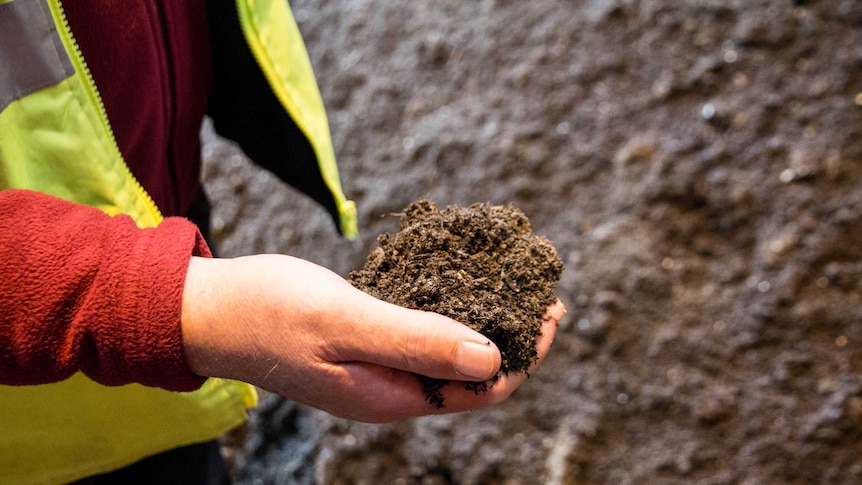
(415, 348)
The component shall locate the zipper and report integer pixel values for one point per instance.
(80, 65)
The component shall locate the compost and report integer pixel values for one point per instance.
(480, 265)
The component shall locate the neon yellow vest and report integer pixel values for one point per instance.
(55, 138)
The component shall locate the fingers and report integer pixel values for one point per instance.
(458, 399)
(404, 390)
(556, 311)
(405, 396)
(427, 343)
(549, 330)
(363, 384)
(366, 382)
(419, 342)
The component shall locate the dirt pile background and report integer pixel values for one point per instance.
(696, 163)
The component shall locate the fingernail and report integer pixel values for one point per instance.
(475, 360)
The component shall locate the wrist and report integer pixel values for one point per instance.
(197, 323)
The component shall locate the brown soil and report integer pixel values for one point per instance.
(480, 265)
(697, 165)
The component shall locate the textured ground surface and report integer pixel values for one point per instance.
(697, 164)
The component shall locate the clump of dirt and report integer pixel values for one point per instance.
(480, 265)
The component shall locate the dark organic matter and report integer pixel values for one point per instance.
(480, 265)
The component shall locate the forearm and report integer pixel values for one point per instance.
(82, 291)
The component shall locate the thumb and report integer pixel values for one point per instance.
(421, 342)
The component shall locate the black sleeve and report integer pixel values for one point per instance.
(245, 109)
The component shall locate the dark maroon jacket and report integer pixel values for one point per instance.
(152, 63)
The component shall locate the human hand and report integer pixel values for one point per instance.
(299, 330)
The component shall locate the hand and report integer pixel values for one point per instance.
(301, 331)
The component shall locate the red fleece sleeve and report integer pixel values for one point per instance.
(80, 290)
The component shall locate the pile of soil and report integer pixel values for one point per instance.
(480, 265)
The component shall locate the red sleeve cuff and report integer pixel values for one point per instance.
(143, 342)
(82, 291)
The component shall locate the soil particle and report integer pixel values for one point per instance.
(480, 265)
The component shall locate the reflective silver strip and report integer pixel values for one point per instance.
(32, 56)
